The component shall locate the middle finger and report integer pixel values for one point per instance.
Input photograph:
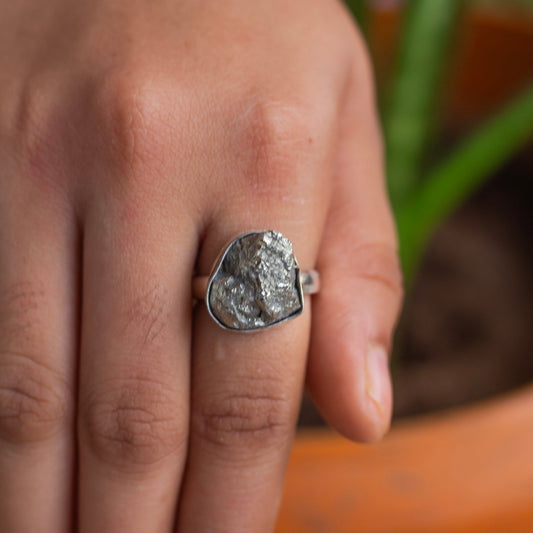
(134, 368)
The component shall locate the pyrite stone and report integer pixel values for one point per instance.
(256, 283)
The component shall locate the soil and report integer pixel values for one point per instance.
(466, 331)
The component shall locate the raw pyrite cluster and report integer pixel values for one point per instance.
(256, 283)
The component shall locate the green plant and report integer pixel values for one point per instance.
(423, 196)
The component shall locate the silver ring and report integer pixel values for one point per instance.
(255, 283)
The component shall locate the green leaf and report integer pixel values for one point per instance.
(424, 44)
(462, 173)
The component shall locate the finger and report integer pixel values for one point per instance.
(38, 322)
(134, 370)
(245, 400)
(356, 310)
(246, 387)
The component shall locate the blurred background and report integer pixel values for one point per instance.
(455, 90)
(455, 85)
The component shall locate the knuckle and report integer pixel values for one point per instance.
(250, 419)
(276, 140)
(134, 423)
(133, 108)
(123, 117)
(380, 263)
(33, 399)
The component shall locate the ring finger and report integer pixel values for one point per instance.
(246, 387)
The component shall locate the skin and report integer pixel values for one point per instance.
(136, 139)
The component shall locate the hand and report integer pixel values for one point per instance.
(136, 138)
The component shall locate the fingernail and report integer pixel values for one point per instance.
(378, 383)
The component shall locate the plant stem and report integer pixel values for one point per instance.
(464, 171)
(423, 49)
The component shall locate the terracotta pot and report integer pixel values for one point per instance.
(467, 470)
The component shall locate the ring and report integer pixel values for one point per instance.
(255, 283)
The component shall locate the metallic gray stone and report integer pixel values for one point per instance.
(256, 283)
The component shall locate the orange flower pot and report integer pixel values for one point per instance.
(468, 470)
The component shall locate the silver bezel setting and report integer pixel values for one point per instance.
(216, 268)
